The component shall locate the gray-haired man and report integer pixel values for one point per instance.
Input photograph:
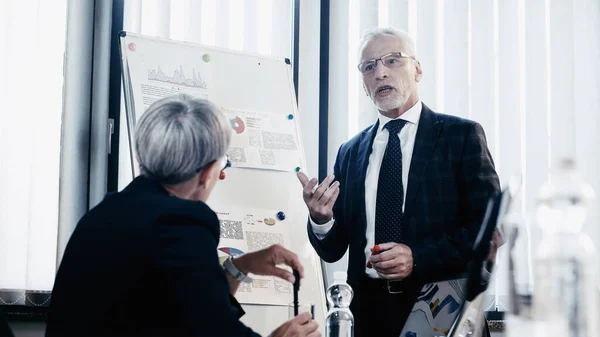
(412, 188)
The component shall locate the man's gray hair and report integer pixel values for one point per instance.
(374, 33)
(179, 135)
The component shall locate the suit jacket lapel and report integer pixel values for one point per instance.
(365, 147)
(427, 135)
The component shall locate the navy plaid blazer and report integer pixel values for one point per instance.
(451, 179)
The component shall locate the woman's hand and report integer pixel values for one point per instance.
(300, 326)
(264, 262)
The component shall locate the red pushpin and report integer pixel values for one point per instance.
(222, 175)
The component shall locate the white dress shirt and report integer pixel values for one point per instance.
(407, 140)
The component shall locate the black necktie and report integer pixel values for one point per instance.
(390, 192)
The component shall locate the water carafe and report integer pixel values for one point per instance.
(340, 321)
(565, 293)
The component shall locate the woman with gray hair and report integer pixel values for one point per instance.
(144, 261)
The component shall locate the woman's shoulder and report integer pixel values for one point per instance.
(155, 205)
(196, 210)
(152, 195)
(180, 212)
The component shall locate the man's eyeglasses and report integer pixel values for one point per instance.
(391, 60)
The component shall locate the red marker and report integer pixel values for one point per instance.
(375, 250)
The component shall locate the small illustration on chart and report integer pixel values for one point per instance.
(237, 124)
(164, 80)
(178, 78)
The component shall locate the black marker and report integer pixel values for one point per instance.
(296, 289)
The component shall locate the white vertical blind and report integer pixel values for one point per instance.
(178, 10)
(343, 86)
(383, 13)
(341, 91)
(258, 26)
(222, 31)
(236, 24)
(155, 16)
(482, 74)
(32, 43)
(368, 19)
(264, 20)
(192, 24)
(527, 70)
(397, 13)
(587, 99)
(428, 51)
(281, 28)
(509, 87)
(456, 57)
(163, 15)
(308, 78)
(537, 143)
(208, 21)
(508, 155)
(132, 18)
(251, 26)
(562, 86)
(352, 35)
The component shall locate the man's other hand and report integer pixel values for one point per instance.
(319, 201)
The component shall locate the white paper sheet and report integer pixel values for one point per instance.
(263, 140)
(154, 76)
(249, 230)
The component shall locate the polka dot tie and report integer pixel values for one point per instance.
(390, 192)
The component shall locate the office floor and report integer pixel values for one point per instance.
(34, 329)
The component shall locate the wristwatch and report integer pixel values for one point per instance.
(235, 272)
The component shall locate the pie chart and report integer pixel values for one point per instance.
(237, 124)
(231, 251)
(225, 252)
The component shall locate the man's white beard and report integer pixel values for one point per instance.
(390, 103)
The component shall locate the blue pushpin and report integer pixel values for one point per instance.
(290, 116)
(280, 216)
(411, 334)
(298, 169)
